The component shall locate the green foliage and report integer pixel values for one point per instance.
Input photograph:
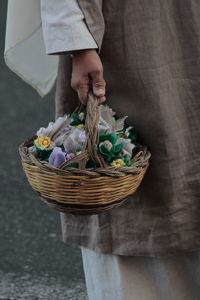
(43, 154)
(109, 154)
(91, 164)
(76, 118)
(73, 165)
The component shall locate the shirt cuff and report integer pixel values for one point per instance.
(68, 38)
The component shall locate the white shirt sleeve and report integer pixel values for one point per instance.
(64, 28)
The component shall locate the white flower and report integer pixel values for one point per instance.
(59, 139)
(127, 130)
(107, 122)
(56, 130)
(128, 146)
(81, 116)
(45, 131)
(74, 141)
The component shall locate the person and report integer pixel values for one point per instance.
(141, 58)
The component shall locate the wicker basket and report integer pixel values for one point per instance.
(84, 190)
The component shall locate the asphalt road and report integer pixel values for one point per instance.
(34, 262)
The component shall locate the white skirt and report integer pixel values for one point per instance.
(116, 277)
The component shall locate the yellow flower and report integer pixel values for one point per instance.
(80, 126)
(44, 142)
(118, 163)
(121, 134)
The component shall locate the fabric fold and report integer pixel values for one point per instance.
(92, 11)
(24, 46)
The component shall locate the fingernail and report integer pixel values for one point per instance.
(100, 91)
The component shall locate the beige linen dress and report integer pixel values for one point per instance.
(151, 56)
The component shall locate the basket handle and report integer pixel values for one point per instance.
(91, 130)
(90, 148)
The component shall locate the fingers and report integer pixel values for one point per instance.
(83, 93)
(102, 99)
(81, 86)
(98, 84)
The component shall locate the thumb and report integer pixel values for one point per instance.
(98, 83)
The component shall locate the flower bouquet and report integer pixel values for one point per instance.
(86, 162)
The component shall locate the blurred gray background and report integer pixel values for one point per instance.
(34, 262)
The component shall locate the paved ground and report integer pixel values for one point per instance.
(34, 263)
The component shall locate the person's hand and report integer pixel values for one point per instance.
(87, 73)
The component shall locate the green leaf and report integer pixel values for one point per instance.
(91, 164)
(62, 148)
(117, 148)
(107, 154)
(133, 135)
(111, 137)
(122, 134)
(116, 157)
(76, 120)
(127, 161)
(73, 165)
(43, 154)
(135, 150)
(84, 113)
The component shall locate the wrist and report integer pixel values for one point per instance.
(81, 51)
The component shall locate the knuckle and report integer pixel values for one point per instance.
(98, 71)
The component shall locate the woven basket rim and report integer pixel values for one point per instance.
(141, 162)
(90, 150)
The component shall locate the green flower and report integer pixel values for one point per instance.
(108, 146)
(78, 119)
(127, 161)
(44, 146)
(43, 154)
(111, 137)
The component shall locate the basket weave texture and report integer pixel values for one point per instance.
(84, 190)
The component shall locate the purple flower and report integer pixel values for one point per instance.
(70, 156)
(57, 157)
